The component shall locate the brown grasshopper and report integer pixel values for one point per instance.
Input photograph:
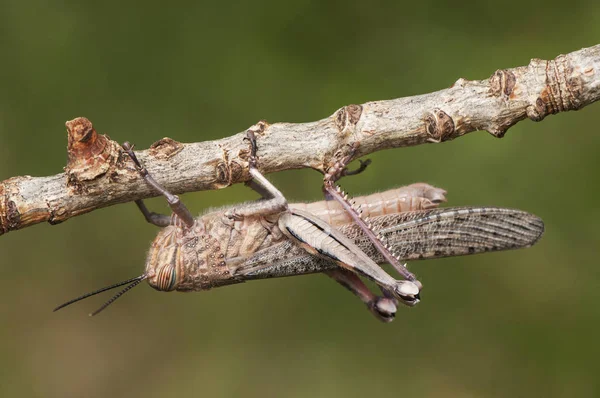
(269, 238)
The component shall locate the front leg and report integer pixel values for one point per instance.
(173, 200)
(160, 220)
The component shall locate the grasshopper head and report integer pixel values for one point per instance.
(162, 264)
(408, 292)
(162, 268)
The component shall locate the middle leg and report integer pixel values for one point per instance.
(273, 200)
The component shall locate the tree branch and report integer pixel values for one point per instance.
(98, 174)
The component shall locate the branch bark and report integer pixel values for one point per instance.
(99, 175)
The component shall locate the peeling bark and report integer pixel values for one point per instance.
(98, 174)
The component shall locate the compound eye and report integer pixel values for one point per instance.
(166, 278)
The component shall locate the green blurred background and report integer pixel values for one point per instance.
(520, 323)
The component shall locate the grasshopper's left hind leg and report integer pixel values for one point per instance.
(383, 308)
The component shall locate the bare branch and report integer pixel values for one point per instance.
(99, 174)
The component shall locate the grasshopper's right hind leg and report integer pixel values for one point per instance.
(321, 239)
(383, 308)
(336, 171)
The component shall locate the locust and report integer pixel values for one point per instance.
(346, 240)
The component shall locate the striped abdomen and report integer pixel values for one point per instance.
(419, 196)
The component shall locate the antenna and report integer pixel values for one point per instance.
(131, 282)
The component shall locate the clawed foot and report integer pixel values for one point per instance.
(339, 169)
(128, 148)
(408, 292)
(384, 309)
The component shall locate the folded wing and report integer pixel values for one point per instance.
(412, 235)
(450, 232)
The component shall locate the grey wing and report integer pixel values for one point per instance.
(450, 232)
(412, 235)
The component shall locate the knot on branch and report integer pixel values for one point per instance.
(90, 155)
(347, 117)
(502, 83)
(9, 213)
(439, 126)
(165, 148)
(226, 172)
(14, 213)
(562, 91)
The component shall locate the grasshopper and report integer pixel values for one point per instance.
(269, 238)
